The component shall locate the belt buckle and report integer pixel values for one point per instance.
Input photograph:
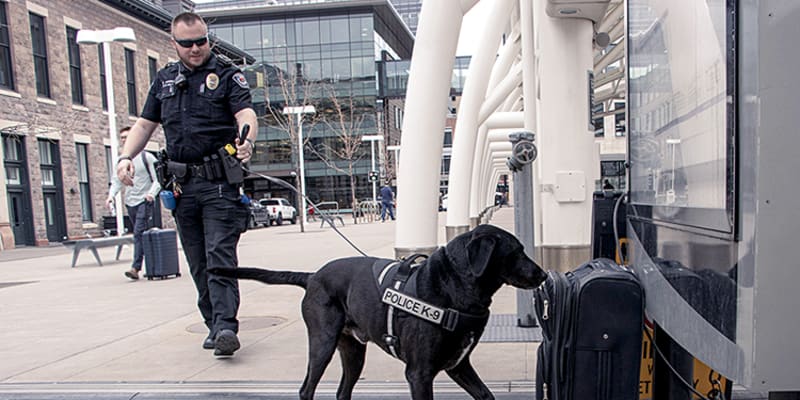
(450, 319)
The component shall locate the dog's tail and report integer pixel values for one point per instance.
(266, 276)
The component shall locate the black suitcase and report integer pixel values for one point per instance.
(160, 253)
(591, 321)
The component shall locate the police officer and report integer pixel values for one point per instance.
(201, 102)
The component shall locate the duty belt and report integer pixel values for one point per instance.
(210, 170)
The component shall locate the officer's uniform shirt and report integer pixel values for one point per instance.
(197, 108)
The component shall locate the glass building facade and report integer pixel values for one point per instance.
(323, 56)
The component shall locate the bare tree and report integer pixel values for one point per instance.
(295, 91)
(345, 146)
(344, 117)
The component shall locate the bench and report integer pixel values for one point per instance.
(329, 210)
(94, 244)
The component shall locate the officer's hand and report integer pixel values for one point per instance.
(243, 150)
(125, 172)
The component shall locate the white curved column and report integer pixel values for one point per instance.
(505, 89)
(501, 93)
(464, 142)
(508, 119)
(423, 125)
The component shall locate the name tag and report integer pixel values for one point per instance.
(413, 306)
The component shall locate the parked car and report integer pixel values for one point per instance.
(259, 215)
(279, 209)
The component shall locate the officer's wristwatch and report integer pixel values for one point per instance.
(120, 158)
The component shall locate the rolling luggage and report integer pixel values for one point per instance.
(160, 253)
(591, 321)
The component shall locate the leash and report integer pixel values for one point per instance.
(325, 218)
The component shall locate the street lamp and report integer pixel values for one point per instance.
(299, 112)
(372, 139)
(105, 37)
(396, 149)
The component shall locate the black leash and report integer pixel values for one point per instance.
(325, 218)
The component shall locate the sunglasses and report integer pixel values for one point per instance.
(188, 43)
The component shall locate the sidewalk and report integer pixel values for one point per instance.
(89, 329)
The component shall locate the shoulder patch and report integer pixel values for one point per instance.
(240, 80)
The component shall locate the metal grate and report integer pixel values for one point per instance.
(503, 328)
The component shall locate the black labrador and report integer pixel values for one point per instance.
(343, 309)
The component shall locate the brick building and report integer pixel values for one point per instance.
(55, 138)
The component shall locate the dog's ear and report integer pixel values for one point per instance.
(479, 252)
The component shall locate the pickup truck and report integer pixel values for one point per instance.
(279, 210)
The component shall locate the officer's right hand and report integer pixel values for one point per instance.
(125, 172)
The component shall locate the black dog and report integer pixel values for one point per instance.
(344, 308)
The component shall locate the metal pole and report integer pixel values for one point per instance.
(302, 167)
(112, 131)
(372, 156)
(523, 154)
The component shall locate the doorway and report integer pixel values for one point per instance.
(18, 190)
(52, 191)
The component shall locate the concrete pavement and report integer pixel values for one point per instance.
(88, 329)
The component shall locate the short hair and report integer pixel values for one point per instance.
(125, 129)
(188, 18)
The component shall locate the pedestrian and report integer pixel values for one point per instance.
(387, 202)
(607, 185)
(139, 200)
(202, 103)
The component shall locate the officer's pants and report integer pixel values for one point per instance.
(210, 218)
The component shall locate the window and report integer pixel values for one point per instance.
(83, 181)
(13, 159)
(598, 122)
(39, 45)
(103, 88)
(445, 165)
(74, 66)
(130, 78)
(46, 160)
(6, 72)
(448, 137)
(599, 127)
(398, 118)
(152, 66)
(619, 120)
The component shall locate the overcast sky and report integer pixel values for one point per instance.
(471, 27)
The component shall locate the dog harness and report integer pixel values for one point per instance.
(399, 290)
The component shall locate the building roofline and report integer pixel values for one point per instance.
(249, 8)
(162, 19)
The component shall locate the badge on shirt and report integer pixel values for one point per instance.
(240, 80)
(212, 81)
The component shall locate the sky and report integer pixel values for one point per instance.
(471, 27)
